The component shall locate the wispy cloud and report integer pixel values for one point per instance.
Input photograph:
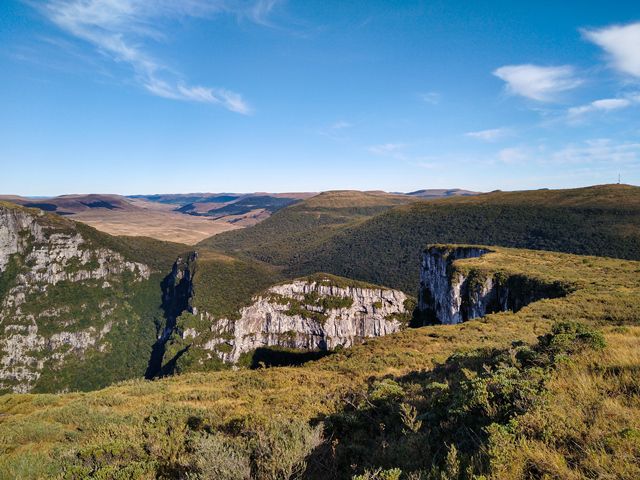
(622, 44)
(538, 82)
(602, 105)
(490, 135)
(603, 151)
(118, 29)
(432, 98)
(337, 131)
(340, 125)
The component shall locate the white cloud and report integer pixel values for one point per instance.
(537, 82)
(622, 44)
(490, 135)
(395, 151)
(602, 105)
(430, 97)
(119, 28)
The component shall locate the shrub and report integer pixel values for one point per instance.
(220, 457)
(570, 338)
(280, 447)
(393, 474)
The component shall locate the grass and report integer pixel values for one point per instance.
(585, 425)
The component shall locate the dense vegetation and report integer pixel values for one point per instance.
(290, 233)
(222, 285)
(124, 312)
(551, 391)
(385, 249)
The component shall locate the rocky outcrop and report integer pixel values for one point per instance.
(450, 295)
(307, 314)
(38, 324)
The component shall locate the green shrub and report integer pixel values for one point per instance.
(280, 447)
(379, 474)
(571, 338)
(220, 457)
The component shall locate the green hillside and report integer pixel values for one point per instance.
(77, 310)
(601, 220)
(548, 392)
(288, 234)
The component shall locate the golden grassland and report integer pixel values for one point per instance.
(159, 224)
(593, 402)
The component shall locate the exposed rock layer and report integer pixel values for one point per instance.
(306, 314)
(36, 254)
(450, 295)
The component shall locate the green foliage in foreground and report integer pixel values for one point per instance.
(459, 421)
(464, 419)
(508, 396)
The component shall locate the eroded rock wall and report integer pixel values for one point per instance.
(450, 295)
(39, 325)
(303, 315)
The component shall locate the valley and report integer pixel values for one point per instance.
(129, 354)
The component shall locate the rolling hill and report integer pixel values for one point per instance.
(292, 231)
(381, 244)
(441, 193)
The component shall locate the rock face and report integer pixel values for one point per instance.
(177, 292)
(39, 326)
(307, 314)
(449, 295)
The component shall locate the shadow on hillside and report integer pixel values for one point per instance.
(175, 300)
(274, 357)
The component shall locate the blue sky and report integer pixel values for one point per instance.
(130, 96)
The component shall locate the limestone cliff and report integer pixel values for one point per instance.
(317, 313)
(56, 295)
(449, 294)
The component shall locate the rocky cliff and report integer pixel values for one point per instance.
(318, 313)
(450, 293)
(61, 295)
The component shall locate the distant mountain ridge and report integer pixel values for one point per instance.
(441, 193)
(73, 204)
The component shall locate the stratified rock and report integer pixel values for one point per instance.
(37, 253)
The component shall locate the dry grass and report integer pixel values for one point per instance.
(593, 402)
(159, 224)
